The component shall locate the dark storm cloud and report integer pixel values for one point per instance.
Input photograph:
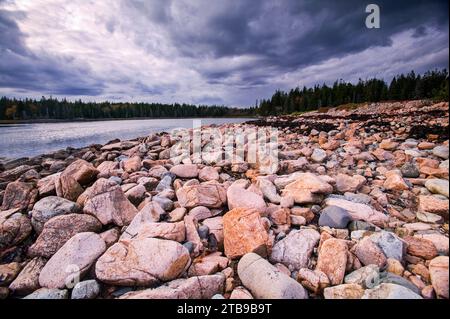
(20, 68)
(292, 34)
(234, 50)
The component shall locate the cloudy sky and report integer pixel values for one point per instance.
(209, 51)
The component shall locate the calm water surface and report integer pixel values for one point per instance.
(27, 140)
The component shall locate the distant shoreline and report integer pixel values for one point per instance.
(43, 121)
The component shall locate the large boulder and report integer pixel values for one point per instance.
(49, 207)
(439, 275)
(244, 232)
(307, 188)
(239, 197)
(28, 279)
(72, 260)
(185, 171)
(142, 261)
(70, 182)
(110, 206)
(333, 260)
(201, 287)
(265, 281)
(58, 230)
(211, 195)
(358, 211)
(14, 228)
(390, 291)
(294, 251)
(19, 195)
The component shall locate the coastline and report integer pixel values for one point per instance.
(354, 195)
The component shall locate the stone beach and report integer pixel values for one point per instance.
(357, 207)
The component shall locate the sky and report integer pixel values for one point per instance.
(210, 51)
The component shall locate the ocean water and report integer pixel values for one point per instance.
(28, 140)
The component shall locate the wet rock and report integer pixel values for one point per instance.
(50, 207)
(58, 230)
(333, 260)
(244, 232)
(139, 262)
(294, 251)
(72, 260)
(202, 287)
(273, 285)
(334, 217)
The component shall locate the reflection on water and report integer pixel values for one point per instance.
(27, 140)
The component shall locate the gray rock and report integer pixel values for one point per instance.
(267, 282)
(361, 225)
(410, 170)
(45, 293)
(358, 198)
(391, 278)
(441, 151)
(334, 217)
(438, 186)
(164, 202)
(318, 155)
(367, 277)
(49, 207)
(88, 289)
(166, 181)
(391, 245)
(390, 291)
(295, 249)
(203, 231)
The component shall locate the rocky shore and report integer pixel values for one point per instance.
(357, 208)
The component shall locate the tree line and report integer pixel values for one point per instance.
(431, 85)
(51, 108)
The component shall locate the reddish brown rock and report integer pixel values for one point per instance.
(28, 279)
(333, 260)
(132, 165)
(19, 195)
(58, 230)
(439, 276)
(420, 247)
(14, 228)
(369, 253)
(244, 232)
(108, 203)
(211, 195)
